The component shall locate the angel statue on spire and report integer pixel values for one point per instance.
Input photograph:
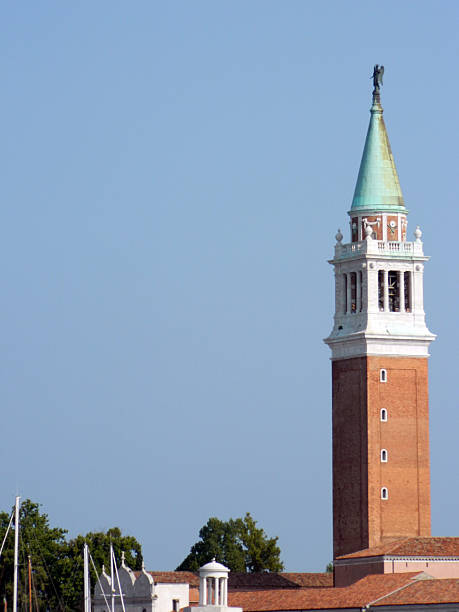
(378, 72)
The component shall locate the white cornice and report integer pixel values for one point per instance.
(363, 344)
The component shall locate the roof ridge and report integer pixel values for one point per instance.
(420, 576)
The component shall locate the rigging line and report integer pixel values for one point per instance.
(49, 576)
(6, 533)
(97, 575)
(22, 601)
(34, 588)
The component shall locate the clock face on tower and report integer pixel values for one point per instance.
(392, 227)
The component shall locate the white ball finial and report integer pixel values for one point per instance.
(339, 236)
(418, 233)
(368, 232)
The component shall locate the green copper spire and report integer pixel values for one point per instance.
(378, 187)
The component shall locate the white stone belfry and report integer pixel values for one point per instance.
(213, 589)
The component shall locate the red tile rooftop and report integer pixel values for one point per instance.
(277, 580)
(174, 577)
(357, 595)
(412, 547)
(304, 579)
(440, 591)
(250, 581)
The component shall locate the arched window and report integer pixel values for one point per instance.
(383, 455)
(393, 291)
(383, 415)
(382, 376)
(384, 493)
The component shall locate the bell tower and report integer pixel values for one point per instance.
(379, 344)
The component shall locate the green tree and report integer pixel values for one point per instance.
(99, 548)
(237, 543)
(57, 564)
(45, 546)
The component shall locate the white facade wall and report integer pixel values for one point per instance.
(140, 594)
(167, 593)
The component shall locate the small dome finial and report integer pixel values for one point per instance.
(339, 236)
(123, 558)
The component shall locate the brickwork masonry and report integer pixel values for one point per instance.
(361, 518)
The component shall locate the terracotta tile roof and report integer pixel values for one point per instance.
(238, 581)
(415, 547)
(434, 591)
(356, 595)
(258, 580)
(311, 580)
(175, 577)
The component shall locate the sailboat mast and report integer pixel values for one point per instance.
(112, 577)
(87, 591)
(16, 554)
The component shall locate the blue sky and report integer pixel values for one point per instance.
(173, 177)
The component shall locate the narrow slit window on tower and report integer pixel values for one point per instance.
(383, 376)
(383, 415)
(384, 493)
(353, 292)
(381, 289)
(407, 281)
(345, 293)
(393, 291)
(383, 455)
(361, 290)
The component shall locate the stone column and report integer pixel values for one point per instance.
(386, 290)
(384, 227)
(401, 285)
(358, 291)
(203, 592)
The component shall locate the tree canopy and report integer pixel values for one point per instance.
(237, 543)
(57, 563)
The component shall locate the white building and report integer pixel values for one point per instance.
(144, 591)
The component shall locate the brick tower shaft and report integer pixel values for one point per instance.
(369, 417)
